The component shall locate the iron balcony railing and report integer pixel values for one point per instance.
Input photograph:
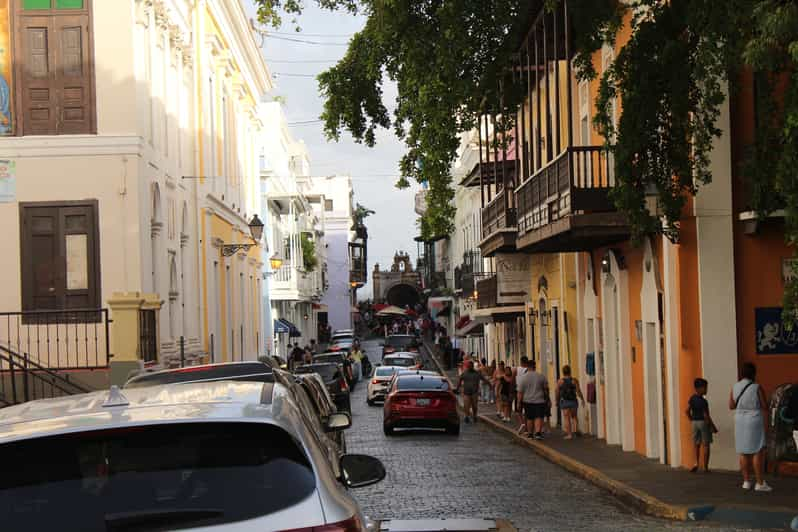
(497, 215)
(577, 181)
(59, 339)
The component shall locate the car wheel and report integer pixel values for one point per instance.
(454, 430)
(388, 430)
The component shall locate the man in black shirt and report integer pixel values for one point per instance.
(297, 355)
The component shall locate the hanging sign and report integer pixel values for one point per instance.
(772, 338)
(6, 62)
(8, 181)
(512, 278)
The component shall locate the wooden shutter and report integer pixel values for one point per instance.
(37, 77)
(40, 259)
(60, 256)
(72, 75)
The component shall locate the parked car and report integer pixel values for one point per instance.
(353, 367)
(236, 371)
(400, 342)
(341, 344)
(323, 404)
(332, 373)
(210, 456)
(404, 360)
(378, 383)
(420, 401)
(317, 417)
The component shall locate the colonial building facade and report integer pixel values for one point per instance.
(130, 145)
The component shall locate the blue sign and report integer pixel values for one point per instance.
(772, 338)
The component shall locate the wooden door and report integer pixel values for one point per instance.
(36, 76)
(72, 73)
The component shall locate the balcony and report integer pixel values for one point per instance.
(499, 221)
(565, 206)
(292, 284)
(487, 292)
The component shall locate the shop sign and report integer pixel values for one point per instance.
(772, 337)
(6, 62)
(512, 278)
(8, 181)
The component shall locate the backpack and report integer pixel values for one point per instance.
(568, 390)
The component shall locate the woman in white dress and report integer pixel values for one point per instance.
(747, 399)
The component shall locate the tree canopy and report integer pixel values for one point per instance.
(449, 59)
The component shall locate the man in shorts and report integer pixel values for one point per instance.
(532, 390)
(469, 384)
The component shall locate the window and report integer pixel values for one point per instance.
(135, 477)
(328, 205)
(60, 256)
(54, 75)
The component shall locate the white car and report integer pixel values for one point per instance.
(378, 384)
(232, 456)
(403, 360)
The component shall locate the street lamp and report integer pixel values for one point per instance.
(255, 230)
(533, 316)
(275, 262)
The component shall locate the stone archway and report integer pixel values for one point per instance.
(402, 295)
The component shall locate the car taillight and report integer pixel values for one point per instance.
(389, 349)
(375, 381)
(352, 524)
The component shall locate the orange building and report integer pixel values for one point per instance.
(645, 320)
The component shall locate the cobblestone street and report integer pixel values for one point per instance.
(479, 474)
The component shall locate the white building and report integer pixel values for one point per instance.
(295, 236)
(332, 198)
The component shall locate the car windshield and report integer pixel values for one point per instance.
(420, 382)
(385, 372)
(152, 477)
(249, 371)
(400, 341)
(404, 362)
(327, 371)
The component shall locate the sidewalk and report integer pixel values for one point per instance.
(656, 489)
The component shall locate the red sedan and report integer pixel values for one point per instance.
(420, 401)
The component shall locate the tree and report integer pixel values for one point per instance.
(308, 245)
(450, 60)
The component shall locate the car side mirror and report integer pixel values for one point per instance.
(338, 421)
(359, 470)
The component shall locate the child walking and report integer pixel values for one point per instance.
(703, 426)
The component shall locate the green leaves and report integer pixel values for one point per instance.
(309, 259)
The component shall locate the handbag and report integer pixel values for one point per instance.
(591, 393)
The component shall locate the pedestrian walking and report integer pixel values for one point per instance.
(469, 384)
(506, 388)
(748, 400)
(532, 389)
(485, 386)
(703, 426)
(297, 355)
(313, 346)
(496, 378)
(567, 397)
(307, 358)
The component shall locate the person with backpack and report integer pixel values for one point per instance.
(568, 395)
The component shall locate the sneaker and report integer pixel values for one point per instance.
(747, 484)
(763, 487)
(538, 436)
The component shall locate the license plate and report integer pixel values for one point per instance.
(422, 402)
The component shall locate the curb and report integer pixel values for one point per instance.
(642, 501)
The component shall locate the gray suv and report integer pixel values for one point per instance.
(236, 456)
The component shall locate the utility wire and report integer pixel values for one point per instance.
(302, 33)
(301, 61)
(303, 41)
(293, 75)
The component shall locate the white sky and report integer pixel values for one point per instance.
(374, 170)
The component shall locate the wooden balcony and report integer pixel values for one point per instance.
(487, 292)
(565, 206)
(498, 226)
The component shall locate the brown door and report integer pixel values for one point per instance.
(72, 80)
(37, 76)
(78, 252)
(55, 74)
(40, 259)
